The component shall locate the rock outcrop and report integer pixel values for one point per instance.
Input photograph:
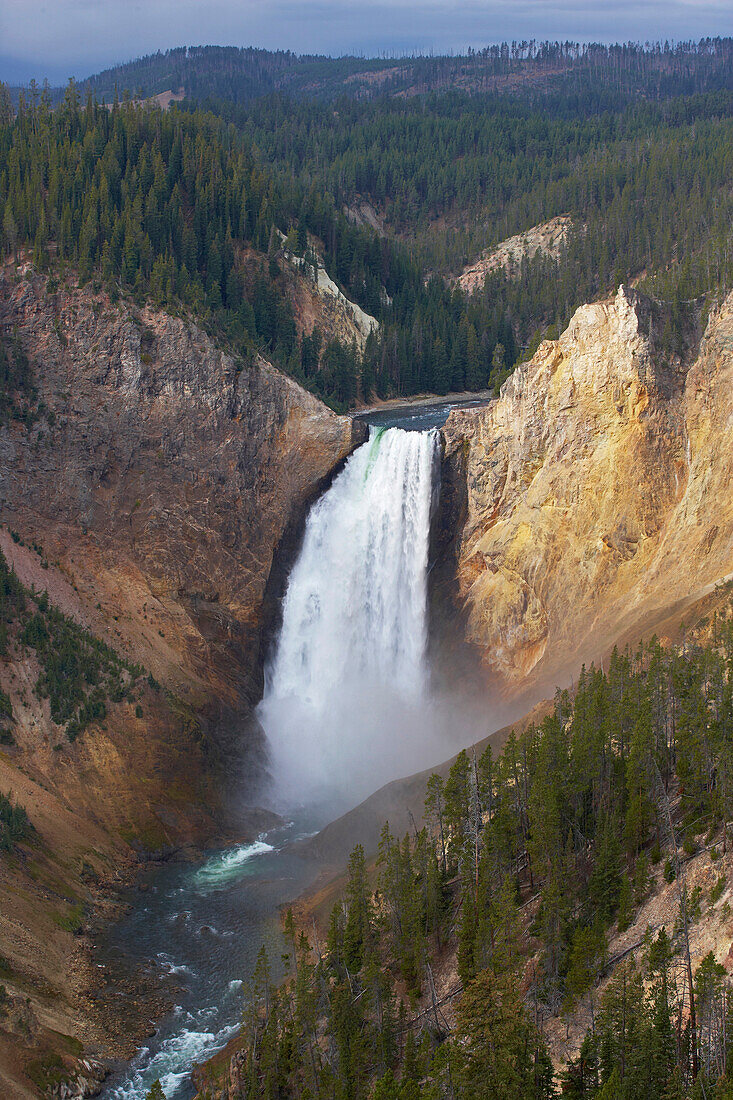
(547, 239)
(595, 491)
(318, 302)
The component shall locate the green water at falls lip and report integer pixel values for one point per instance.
(375, 440)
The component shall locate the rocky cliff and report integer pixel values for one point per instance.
(156, 496)
(548, 239)
(595, 492)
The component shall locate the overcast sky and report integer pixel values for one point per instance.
(58, 38)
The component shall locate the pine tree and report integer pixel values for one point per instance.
(357, 930)
(497, 1052)
(475, 372)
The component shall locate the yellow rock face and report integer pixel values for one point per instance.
(598, 490)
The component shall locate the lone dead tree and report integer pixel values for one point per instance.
(680, 879)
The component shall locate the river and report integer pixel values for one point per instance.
(346, 697)
(202, 924)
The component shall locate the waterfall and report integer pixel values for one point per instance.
(347, 686)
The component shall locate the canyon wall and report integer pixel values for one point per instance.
(160, 484)
(159, 490)
(594, 494)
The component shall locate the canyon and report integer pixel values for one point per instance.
(149, 502)
(160, 501)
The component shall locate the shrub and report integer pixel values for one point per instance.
(689, 845)
(717, 889)
(14, 824)
(6, 707)
(71, 921)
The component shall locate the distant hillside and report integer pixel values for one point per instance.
(616, 72)
(630, 145)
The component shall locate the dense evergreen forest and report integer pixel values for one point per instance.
(493, 166)
(165, 206)
(186, 207)
(526, 865)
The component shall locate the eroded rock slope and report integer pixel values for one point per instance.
(150, 498)
(596, 490)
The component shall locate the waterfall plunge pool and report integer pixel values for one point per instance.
(346, 708)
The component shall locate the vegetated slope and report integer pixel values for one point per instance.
(176, 208)
(149, 481)
(642, 189)
(241, 74)
(577, 885)
(454, 174)
(596, 489)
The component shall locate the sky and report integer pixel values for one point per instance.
(61, 38)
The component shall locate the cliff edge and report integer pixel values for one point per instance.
(595, 491)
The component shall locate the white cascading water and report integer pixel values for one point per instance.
(345, 693)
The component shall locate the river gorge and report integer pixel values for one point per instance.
(205, 519)
(347, 707)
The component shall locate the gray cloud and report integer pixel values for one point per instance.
(62, 37)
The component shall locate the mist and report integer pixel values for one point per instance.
(368, 735)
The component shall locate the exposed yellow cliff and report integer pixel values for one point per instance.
(597, 490)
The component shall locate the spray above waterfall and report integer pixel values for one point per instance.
(346, 702)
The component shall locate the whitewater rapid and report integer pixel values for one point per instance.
(347, 684)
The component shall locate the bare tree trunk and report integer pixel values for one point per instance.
(682, 894)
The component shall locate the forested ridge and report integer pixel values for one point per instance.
(526, 865)
(187, 208)
(595, 71)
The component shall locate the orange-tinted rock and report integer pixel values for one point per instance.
(597, 490)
